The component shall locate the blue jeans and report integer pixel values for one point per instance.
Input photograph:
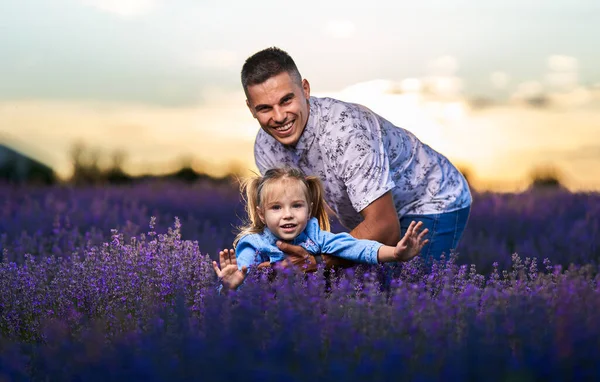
(445, 231)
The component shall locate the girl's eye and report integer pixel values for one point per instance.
(298, 205)
(275, 207)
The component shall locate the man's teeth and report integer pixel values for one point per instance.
(284, 127)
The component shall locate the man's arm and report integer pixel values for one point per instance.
(381, 222)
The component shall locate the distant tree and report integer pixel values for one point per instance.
(87, 169)
(186, 174)
(115, 173)
(546, 178)
(85, 165)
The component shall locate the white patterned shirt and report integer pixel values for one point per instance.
(360, 156)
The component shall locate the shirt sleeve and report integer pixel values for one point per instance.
(358, 154)
(345, 246)
(245, 253)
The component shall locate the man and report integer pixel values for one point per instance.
(377, 177)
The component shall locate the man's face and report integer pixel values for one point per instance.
(281, 107)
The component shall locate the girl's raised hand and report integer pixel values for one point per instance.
(229, 274)
(412, 242)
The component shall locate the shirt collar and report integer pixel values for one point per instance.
(272, 239)
(310, 130)
(269, 237)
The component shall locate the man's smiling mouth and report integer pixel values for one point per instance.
(284, 128)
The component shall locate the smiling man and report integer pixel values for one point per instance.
(377, 177)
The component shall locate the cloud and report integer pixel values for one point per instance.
(563, 72)
(443, 66)
(126, 9)
(442, 79)
(443, 86)
(340, 29)
(561, 63)
(578, 96)
(530, 92)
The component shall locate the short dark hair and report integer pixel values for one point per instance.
(268, 63)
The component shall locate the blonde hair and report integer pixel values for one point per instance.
(252, 189)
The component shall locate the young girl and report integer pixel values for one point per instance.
(284, 204)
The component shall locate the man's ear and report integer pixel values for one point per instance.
(306, 88)
(261, 216)
(250, 108)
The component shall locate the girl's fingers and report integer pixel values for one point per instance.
(216, 268)
(223, 258)
(411, 227)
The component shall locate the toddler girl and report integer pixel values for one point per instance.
(284, 204)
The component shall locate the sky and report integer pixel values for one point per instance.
(500, 87)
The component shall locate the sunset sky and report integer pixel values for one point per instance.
(500, 87)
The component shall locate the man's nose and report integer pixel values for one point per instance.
(278, 115)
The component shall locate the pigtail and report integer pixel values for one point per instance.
(317, 198)
(250, 191)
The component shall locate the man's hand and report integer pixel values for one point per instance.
(229, 274)
(297, 256)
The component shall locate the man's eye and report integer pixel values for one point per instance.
(286, 101)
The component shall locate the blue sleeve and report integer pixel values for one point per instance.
(345, 246)
(245, 252)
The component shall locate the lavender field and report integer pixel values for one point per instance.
(115, 283)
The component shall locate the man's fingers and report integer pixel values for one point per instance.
(244, 270)
(291, 250)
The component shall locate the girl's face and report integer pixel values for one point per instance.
(284, 208)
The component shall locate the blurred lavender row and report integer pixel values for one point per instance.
(555, 224)
(107, 284)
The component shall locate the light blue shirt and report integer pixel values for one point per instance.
(257, 248)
